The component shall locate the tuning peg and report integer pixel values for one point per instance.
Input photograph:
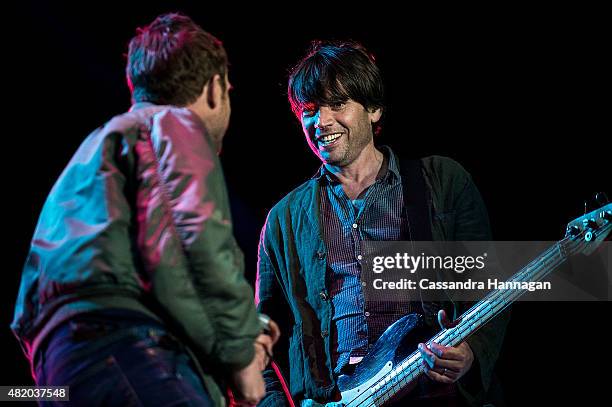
(573, 230)
(590, 223)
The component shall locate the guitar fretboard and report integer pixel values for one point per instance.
(406, 372)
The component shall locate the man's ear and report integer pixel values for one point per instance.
(213, 91)
(375, 114)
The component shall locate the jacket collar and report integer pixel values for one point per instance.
(141, 105)
(392, 172)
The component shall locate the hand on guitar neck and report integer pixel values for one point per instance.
(446, 364)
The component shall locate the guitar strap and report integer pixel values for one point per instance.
(416, 212)
(417, 221)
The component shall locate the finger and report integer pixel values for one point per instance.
(450, 365)
(444, 322)
(265, 341)
(449, 374)
(427, 355)
(264, 361)
(437, 349)
(274, 331)
(431, 355)
(446, 372)
(427, 370)
(447, 352)
(442, 358)
(442, 352)
(262, 356)
(438, 377)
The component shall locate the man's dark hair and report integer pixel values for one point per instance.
(333, 72)
(171, 59)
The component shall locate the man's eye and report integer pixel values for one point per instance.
(337, 106)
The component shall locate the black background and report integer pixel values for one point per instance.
(519, 97)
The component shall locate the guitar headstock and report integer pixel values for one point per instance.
(591, 228)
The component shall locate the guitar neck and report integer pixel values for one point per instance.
(498, 300)
(485, 310)
(583, 236)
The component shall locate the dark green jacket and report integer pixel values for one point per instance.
(291, 284)
(140, 219)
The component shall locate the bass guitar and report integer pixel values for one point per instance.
(385, 372)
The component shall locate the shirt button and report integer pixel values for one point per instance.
(323, 296)
(363, 283)
(367, 314)
(359, 257)
(354, 226)
(324, 334)
(321, 255)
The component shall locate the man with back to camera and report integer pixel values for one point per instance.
(309, 271)
(133, 292)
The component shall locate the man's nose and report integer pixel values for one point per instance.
(323, 117)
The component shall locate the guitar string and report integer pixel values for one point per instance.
(447, 336)
(483, 311)
(404, 372)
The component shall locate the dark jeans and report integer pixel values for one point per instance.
(113, 358)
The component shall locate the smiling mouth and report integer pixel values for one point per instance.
(328, 139)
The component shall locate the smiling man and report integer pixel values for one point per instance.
(310, 260)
